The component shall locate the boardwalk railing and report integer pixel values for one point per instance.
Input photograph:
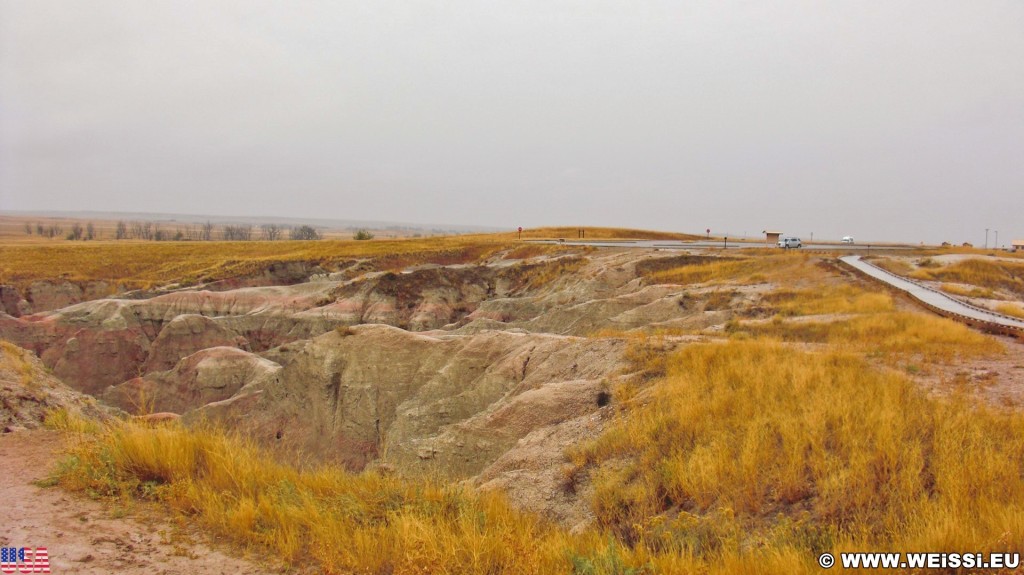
(977, 317)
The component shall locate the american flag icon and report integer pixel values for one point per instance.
(24, 560)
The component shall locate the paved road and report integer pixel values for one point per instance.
(705, 244)
(931, 296)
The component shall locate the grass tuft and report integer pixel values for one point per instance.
(968, 291)
(16, 358)
(1011, 309)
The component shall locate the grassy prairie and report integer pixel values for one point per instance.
(138, 264)
(144, 264)
(828, 299)
(754, 267)
(755, 457)
(892, 336)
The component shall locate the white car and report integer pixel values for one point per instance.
(790, 242)
(847, 239)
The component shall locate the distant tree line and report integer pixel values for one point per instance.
(153, 231)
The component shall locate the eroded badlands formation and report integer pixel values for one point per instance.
(482, 373)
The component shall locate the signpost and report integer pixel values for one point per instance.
(520, 232)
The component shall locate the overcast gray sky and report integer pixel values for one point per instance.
(887, 120)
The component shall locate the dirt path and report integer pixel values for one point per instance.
(81, 535)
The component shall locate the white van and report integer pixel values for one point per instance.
(790, 242)
(847, 239)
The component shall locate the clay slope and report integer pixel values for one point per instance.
(28, 394)
(42, 296)
(96, 344)
(210, 375)
(433, 403)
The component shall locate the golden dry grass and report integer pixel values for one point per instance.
(756, 267)
(145, 264)
(985, 274)
(9, 350)
(755, 457)
(13, 357)
(968, 291)
(891, 336)
(876, 327)
(532, 250)
(138, 264)
(828, 299)
(1011, 309)
(897, 266)
(546, 273)
(343, 523)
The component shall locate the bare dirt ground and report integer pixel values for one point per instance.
(998, 380)
(82, 536)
